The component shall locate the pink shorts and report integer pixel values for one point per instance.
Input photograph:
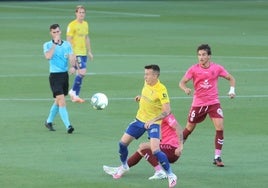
(198, 114)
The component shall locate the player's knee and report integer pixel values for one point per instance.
(60, 100)
(155, 150)
(145, 152)
(82, 72)
(82, 75)
(142, 146)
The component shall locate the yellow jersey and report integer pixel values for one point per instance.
(78, 31)
(151, 101)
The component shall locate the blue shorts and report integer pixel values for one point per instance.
(81, 61)
(136, 129)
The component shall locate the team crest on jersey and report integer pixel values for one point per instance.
(164, 95)
(219, 111)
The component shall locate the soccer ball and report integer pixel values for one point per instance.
(99, 101)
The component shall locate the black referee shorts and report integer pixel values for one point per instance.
(59, 83)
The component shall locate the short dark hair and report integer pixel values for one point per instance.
(205, 47)
(54, 26)
(155, 68)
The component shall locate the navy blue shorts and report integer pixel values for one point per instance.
(136, 129)
(81, 61)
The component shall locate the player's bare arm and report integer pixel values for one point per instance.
(72, 60)
(50, 52)
(179, 132)
(231, 79)
(165, 111)
(56, 38)
(184, 87)
(89, 48)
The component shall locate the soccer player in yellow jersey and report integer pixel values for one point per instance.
(78, 36)
(153, 107)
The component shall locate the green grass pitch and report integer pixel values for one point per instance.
(125, 36)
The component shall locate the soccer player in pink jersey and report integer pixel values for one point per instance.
(205, 76)
(171, 144)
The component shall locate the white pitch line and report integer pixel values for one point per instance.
(126, 14)
(42, 7)
(143, 55)
(125, 98)
(180, 56)
(122, 73)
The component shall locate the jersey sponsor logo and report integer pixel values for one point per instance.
(205, 84)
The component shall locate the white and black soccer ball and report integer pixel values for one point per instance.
(99, 101)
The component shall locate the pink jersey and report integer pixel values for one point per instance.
(205, 82)
(168, 131)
